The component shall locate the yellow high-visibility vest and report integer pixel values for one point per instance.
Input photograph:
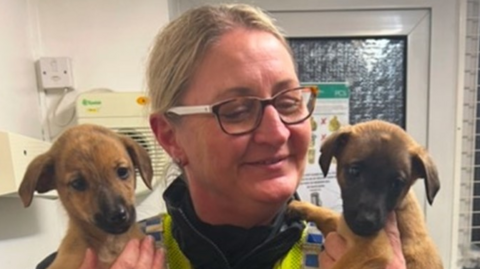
(303, 255)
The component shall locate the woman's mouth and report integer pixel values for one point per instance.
(269, 168)
(272, 161)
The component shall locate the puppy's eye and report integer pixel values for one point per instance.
(123, 172)
(353, 171)
(79, 184)
(397, 185)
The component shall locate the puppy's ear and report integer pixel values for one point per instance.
(140, 159)
(40, 177)
(331, 146)
(424, 167)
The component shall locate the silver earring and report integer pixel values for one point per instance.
(178, 161)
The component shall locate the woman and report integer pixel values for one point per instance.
(230, 111)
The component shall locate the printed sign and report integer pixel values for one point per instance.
(331, 112)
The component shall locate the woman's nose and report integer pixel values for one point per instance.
(271, 129)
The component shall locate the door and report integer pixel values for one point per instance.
(382, 56)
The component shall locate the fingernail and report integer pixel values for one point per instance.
(134, 242)
(150, 238)
(90, 252)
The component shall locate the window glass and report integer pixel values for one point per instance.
(374, 68)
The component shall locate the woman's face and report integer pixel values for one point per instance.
(262, 167)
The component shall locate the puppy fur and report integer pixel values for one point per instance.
(377, 163)
(93, 170)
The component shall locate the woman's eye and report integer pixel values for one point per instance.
(237, 114)
(238, 110)
(79, 184)
(288, 105)
(123, 172)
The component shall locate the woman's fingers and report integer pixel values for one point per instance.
(325, 261)
(140, 255)
(159, 259)
(335, 246)
(90, 260)
(147, 253)
(136, 255)
(391, 228)
(129, 257)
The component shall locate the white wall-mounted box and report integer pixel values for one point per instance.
(16, 152)
(125, 113)
(55, 73)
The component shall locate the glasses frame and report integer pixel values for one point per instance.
(264, 102)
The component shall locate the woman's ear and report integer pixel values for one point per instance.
(165, 134)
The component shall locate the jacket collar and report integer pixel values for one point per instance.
(225, 246)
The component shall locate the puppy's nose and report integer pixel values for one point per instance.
(118, 216)
(367, 223)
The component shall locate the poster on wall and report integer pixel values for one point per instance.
(331, 112)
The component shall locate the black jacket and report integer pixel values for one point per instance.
(225, 246)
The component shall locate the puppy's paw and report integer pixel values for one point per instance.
(325, 219)
(296, 210)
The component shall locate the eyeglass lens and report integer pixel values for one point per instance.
(242, 115)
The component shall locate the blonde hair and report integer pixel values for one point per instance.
(180, 46)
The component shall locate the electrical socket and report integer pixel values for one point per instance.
(55, 73)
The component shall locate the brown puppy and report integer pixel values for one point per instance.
(377, 163)
(93, 170)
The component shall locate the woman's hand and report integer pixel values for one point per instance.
(398, 261)
(336, 246)
(136, 255)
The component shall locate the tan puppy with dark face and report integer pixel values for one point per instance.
(93, 170)
(377, 163)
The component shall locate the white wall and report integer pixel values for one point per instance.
(28, 235)
(32, 230)
(19, 109)
(108, 42)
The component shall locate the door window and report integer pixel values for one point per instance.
(373, 68)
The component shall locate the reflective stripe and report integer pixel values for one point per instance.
(175, 257)
(294, 258)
